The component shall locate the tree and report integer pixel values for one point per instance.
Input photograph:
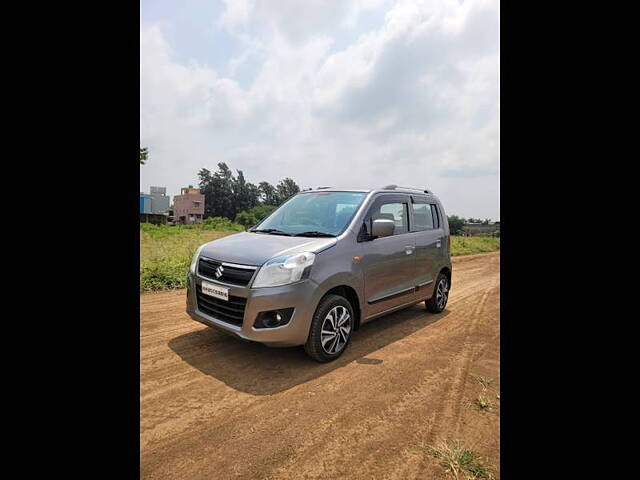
(250, 217)
(144, 155)
(253, 191)
(206, 180)
(286, 188)
(217, 189)
(227, 195)
(456, 225)
(245, 194)
(268, 193)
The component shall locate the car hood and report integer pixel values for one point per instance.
(247, 248)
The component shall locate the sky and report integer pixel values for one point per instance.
(341, 93)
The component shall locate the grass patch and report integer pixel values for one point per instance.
(484, 381)
(457, 459)
(481, 402)
(471, 245)
(166, 252)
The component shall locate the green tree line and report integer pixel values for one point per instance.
(486, 221)
(456, 224)
(231, 196)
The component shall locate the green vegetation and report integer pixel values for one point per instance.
(250, 217)
(227, 195)
(144, 155)
(166, 252)
(456, 224)
(458, 459)
(481, 402)
(484, 381)
(471, 245)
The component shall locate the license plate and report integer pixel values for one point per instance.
(216, 291)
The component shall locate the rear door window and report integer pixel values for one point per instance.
(422, 217)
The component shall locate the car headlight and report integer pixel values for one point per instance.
(283, 270)
(194, 260)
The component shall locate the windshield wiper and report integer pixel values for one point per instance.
(273, 231)
(314, 234)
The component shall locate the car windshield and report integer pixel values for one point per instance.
(313, 214)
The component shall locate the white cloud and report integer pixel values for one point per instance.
(415, 101)
(236, 13)
(296, 20)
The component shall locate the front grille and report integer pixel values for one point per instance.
(234, 275)
(230, 312)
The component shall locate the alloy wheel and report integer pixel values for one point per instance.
(442, 293)
(336, 328)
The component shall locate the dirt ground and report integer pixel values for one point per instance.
(213, 407)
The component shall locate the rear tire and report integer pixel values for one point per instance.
(331, 329)
(438, 300)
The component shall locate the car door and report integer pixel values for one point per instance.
(388, 263)
(429, 240)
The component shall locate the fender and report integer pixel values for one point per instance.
(339, 280)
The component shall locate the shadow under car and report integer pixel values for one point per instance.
(260, 370)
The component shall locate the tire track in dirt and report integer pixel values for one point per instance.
(451, 407)
(319, 457)
(375, 426)
(446, 418)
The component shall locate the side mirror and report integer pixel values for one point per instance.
(382, 227)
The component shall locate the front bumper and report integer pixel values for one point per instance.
(301, 296)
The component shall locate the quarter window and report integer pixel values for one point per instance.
(436, 217)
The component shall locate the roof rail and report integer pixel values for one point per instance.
(321, 188)
(394, 187)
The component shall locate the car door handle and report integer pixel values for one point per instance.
(409, 249)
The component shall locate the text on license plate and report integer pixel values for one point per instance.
(215, 291)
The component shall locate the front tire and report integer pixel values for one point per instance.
(330, 330)
(438, 300)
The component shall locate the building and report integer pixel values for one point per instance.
(154, 206)
(145, 203)
(473, 229)
(188, 207)
(159, 200)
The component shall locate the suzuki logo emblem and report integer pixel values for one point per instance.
(219, 271)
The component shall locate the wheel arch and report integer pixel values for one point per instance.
(446, 270)
(352, 297)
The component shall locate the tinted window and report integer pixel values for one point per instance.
(395, 211)
(422, 216)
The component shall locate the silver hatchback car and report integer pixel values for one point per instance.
(321, 265)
